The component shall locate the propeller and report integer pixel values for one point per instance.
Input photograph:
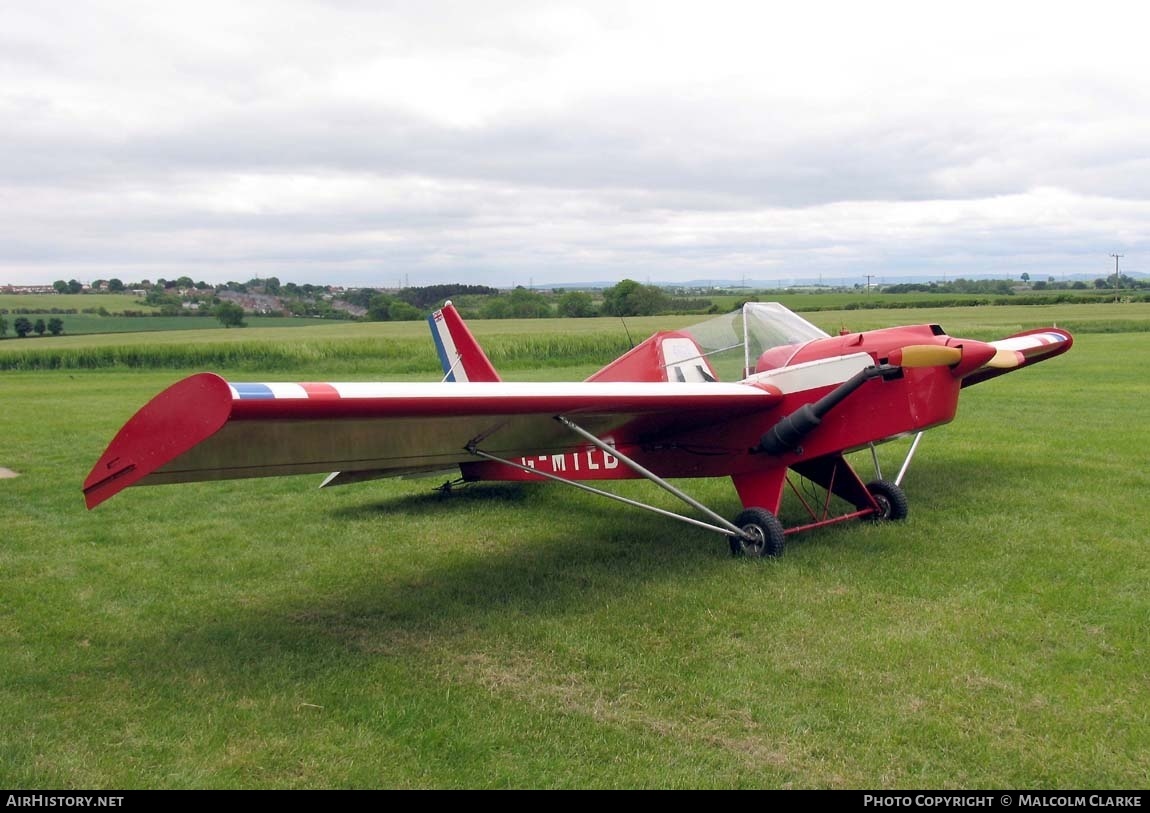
(933, 355)
(925, 355)
(1006, 360)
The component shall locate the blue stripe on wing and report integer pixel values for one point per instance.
(254, 391)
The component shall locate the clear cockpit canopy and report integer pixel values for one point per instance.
(734, 342)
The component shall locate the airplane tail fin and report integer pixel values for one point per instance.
(459, 353)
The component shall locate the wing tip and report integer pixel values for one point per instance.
(171, 423)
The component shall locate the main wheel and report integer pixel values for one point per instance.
(891, 501)
(765, 536)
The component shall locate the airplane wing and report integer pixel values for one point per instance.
(1021, 350)
(204, 428)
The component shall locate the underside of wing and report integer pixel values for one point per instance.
(203, 428)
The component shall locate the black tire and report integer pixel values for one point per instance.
(891, 501)
(765, 530)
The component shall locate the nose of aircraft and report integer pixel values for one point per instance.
(975, 355)
(963, 356)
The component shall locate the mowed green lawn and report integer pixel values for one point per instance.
(262, 633)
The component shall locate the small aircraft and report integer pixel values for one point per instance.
(759, 395)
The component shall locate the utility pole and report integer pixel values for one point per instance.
(869, 277)
(1116, 256)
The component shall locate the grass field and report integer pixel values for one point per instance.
(264, 634)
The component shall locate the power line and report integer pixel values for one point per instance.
(1116, 256)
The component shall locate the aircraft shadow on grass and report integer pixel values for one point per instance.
(474, 601)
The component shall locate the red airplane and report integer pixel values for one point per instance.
(796, 400)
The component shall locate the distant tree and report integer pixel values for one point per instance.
(55, 326)
(528, 304)
(272, 286)
(60, 286)
(98, 285)
(22, 326)
(400, 311)
(497, 307)
(115, 285)
(576, 304)
(40, 327)
(3, 326)
(519, 304)
(75, 286)
(433, 295)
(379, 308)
(185, 283)
(1025, 277)
(629, 298)
(169, 304)
(230, 314)
(357, 296)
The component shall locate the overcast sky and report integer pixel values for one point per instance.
(367, 142)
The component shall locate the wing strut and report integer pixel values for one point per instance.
(724, 526)
(905, 463)
(909, 457)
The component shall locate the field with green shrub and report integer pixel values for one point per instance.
(262, 633)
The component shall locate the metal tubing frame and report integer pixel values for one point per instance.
(723, 525)
(732, 529)
(826, 509)
(602, 493)
(826, 518)
(829, 521)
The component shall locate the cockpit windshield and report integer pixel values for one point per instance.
(734, 342)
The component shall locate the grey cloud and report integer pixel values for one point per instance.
(125, 143)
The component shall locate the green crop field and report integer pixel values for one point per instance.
(113, 303)
(262, 633)
(377, 348)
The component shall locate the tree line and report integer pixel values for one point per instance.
(22, 326)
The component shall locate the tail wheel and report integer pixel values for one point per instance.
(764, 534)
(891, 499)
